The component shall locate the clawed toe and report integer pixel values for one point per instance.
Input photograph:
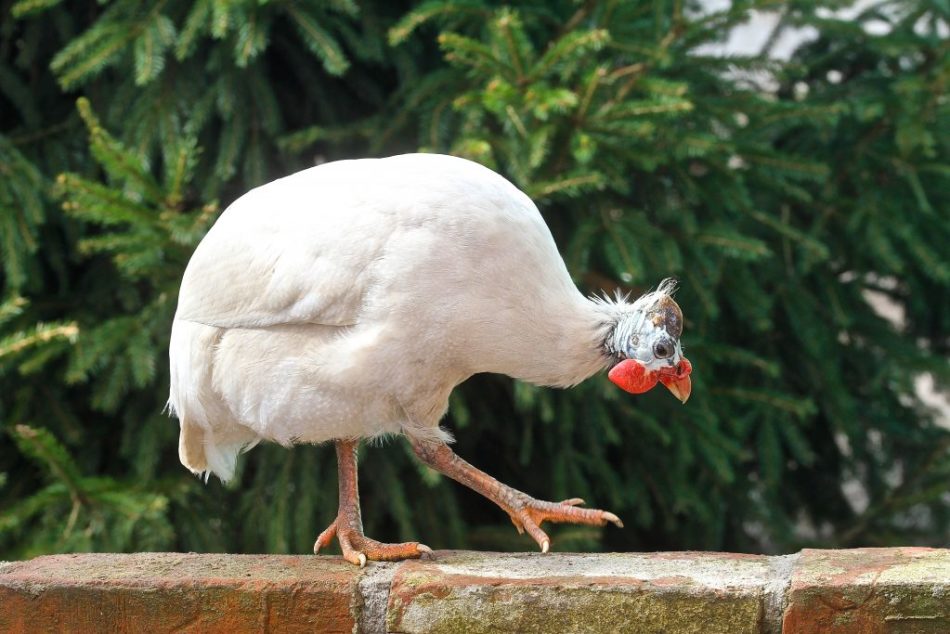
(324, 538)
(532, 513)
(358, 549)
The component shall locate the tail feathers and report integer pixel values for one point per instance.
(191, 448)
(222, 459)
(203, 454)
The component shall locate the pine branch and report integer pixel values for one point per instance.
(428, 12)
(42, 447)
(39, 334)
(24, 8)
(114, 158)
(319, 41)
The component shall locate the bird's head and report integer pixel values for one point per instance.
(646, 345)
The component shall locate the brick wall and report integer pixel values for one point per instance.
(886, 591)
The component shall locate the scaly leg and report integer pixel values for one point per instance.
(348, 525)
(526, 512)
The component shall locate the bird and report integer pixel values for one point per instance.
(346, 301)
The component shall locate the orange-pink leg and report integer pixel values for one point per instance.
(526, 512)
(348, 525)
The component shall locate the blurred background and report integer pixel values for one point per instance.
(787, 161)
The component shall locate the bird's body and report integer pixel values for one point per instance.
(354, 296)
(347, 301)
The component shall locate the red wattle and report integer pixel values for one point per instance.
(631, 376)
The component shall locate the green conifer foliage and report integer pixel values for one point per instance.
(790, 198)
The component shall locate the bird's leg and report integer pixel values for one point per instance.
(526, 512)
(348, 525)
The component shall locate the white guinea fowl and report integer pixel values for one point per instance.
(347, 301)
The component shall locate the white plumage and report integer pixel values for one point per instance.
(349, 299)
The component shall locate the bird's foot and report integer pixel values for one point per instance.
(358, 549)
(527, 514)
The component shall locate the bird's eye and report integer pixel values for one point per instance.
(663, 349)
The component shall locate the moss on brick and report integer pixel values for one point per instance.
(577, 609)
(478, 592)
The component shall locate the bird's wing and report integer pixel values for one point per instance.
(277, 256)
(335, 243)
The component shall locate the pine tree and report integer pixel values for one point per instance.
(783, 195)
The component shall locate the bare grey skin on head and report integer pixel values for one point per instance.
(645, 345)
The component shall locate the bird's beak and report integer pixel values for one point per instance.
(679, 387)
(678, 381)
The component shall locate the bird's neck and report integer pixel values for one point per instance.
(560, 346)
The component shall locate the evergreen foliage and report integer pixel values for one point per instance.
(785, 195)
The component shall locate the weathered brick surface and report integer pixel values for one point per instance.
(870, 591)
(173, 592)
(648, 593)
(867, 591)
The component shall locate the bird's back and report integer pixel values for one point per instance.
(310, 247)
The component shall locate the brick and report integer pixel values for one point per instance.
(870, 591)
(637, 593)
(174, 592)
